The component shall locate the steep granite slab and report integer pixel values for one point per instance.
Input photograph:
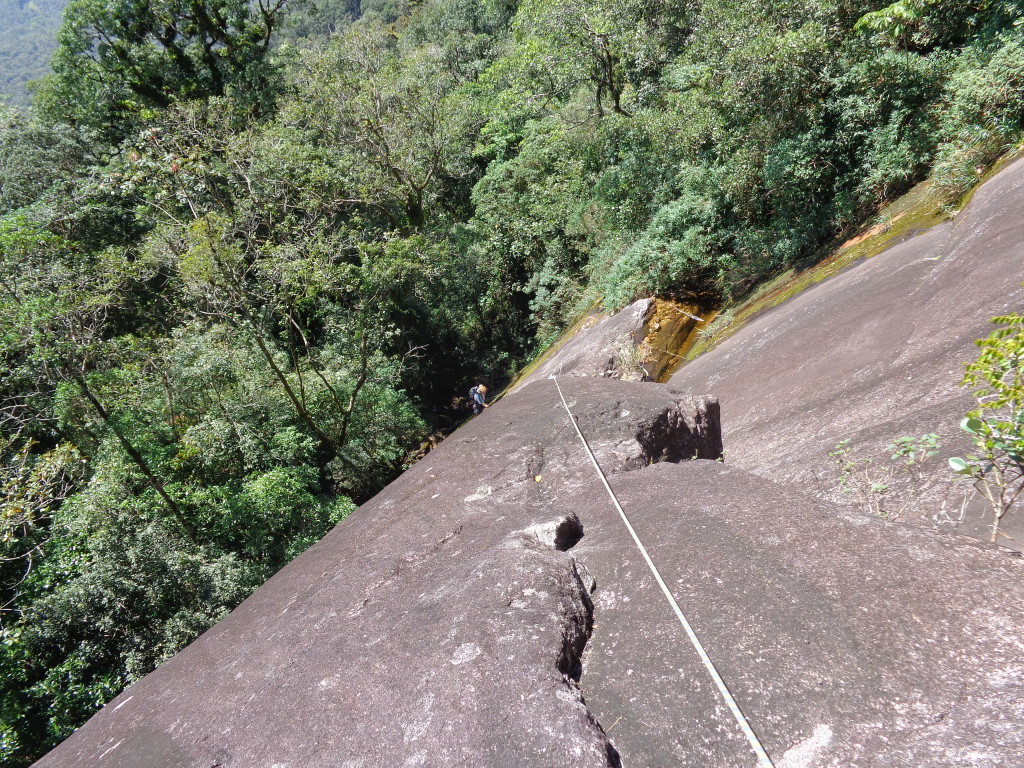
(443, 624)
(849, 642)
(440, 624)
(876, 352)
(596, 349)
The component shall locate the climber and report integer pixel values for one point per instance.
(479, 397)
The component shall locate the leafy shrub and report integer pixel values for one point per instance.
(675, 255)
(983, 113)
(996, 427)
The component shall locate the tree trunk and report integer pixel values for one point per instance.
(137, 457)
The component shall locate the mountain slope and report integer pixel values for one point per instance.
(489, 609)
(28, 37)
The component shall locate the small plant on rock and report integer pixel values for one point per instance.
(631, 358)
(872, 483)
(996, 427)
(913, 453)
(858, 477)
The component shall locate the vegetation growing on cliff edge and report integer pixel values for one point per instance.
(239, 278)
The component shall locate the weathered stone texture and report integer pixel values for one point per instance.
(874, 353)
(441, 624)
(448, 621)
(849, 642)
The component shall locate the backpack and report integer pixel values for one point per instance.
(472, 393)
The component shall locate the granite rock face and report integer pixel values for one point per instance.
(489, 609)
(442, 623)
(849, 642)
(876, 352)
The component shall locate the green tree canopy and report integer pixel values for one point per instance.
(115, 58)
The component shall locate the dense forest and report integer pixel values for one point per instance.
(251, 251)
(28, 37)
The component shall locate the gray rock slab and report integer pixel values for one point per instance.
(489, 609)
(848, 641)
(874, 353)
(596, 348)
(441, 624)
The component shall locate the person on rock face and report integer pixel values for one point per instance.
(479, 394)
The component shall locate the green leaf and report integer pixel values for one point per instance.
(974, 426)
(959, 466)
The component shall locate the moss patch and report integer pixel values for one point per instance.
(915, 212)
(992, 170)
(672, 340)
(910, 215)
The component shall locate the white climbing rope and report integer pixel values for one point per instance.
(755, 744)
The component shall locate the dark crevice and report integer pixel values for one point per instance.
(627, 435)
(614, 761)
(577, 613)
(574, 642)
(577, 634)
(568, 533)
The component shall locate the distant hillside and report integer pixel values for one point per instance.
(28, 32)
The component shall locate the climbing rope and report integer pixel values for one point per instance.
(755, 744)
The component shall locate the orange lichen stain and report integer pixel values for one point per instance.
(671, 331)
(877, 229)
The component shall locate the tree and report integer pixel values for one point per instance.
(609, 45)
(58, 330)
(896, 22)
(399, 125)
(27, 40)
(33, 157)
(117, 58)
(258, 231)
(996, 427)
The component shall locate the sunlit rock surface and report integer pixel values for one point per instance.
(874, 353)
(448, 621)
(489, 608)
(848, 641)
(440, 624)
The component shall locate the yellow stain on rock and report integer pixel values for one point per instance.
(672, 330)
